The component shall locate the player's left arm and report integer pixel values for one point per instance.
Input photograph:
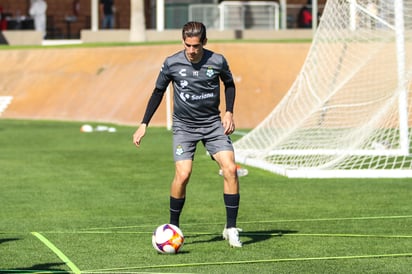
(227, 120)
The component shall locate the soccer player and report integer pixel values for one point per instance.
(195, 73)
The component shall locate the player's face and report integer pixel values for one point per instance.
(193, 49)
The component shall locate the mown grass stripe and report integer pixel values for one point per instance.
(57, 251)
(332, 219)
(274, 234)
(265, 221)
(253, 262)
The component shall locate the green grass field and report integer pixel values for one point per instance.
(89, 202)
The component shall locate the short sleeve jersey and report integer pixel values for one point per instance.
(196, 86)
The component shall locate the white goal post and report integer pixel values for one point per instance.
(348, 112)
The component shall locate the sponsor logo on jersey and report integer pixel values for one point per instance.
(195, 97)
(184, 96)
(202, 96)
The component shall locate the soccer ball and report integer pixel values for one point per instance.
(86, 128)
(168, 238)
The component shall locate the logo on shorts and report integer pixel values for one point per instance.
(179, 150)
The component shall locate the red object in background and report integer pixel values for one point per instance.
(3, 22)
(76, 7)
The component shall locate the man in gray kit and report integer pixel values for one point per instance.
(196, 74)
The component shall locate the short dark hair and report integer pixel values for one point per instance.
(194, 29)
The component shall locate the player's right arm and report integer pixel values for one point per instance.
(151, 108)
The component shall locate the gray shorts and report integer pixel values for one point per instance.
(185, 139)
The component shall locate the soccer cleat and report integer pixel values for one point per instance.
(232, 235)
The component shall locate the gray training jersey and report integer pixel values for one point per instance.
(196, 86)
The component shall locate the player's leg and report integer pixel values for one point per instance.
(231, 196)
(184, 147)
(226, 162)
(183, 170)
(220, 147)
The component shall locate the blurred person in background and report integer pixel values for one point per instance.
(107, 10)
(38, 10)
(305, 16)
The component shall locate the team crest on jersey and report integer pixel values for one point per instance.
(210, 72)
(179, 150)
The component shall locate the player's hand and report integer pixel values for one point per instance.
(139, 134)
(228, 123)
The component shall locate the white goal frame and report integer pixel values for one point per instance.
(254, 149)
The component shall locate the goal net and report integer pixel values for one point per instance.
(348, 113)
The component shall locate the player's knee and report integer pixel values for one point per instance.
(182, 176)
(229, 170)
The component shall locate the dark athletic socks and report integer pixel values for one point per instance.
(176, 206)
(232, 208)
(231, 204)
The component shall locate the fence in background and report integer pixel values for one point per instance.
(237, 15)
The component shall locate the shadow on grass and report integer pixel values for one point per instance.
(254, 236)
(5, 240)
(259, 236)
(38, 268)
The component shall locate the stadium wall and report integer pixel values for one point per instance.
(113, 84)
